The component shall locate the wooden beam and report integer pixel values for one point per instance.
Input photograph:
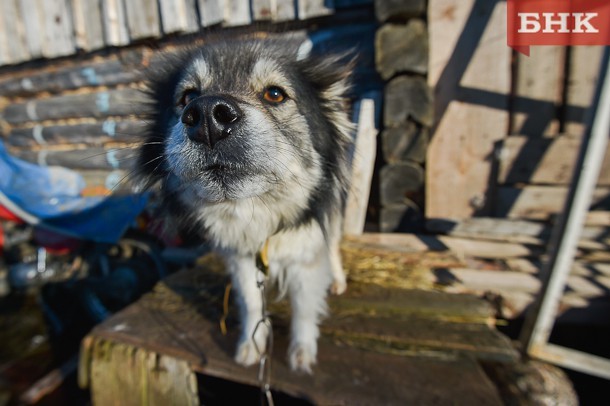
(178, 16)
(211, 12)
(88, 24)
(237, 12)
(143, 19)
(115, 23)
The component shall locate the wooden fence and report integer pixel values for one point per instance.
(32, 29)
(507, 126)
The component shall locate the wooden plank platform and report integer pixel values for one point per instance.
(382, 344)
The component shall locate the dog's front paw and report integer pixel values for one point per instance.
(302, 357)
(247, 353)
(338, 286)
(250, 348)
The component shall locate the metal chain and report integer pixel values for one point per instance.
(264, 365)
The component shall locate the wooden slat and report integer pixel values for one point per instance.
(90, 158)
(585, 62)
(33, 21)
(314, 8)
(539, 80)
(514, 231)
(13, 45)
(178, 16)
(363, 163)
(538, 202)
(58, 29)
(263, 10)
(236, 12)
(471, 103)
(115, 22)
(211, 12)
(547, 161)
(108, 73)
(89, 133)
(286, 10)
(143, 19)
(88, 27)
(102, 104)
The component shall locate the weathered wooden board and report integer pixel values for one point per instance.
(108, 73)
(263, 10)
(584, 65)
(471, 104)
(538, 92)
(286, 10)
(178, 16)
(237, 12)
(122, 102)
(314, 8)
(513, 230)
(13, 45)
(543, 161)
(397, 361)
(363, 165)
(211, 12)
(90, 158)
(143, 19)
(114, 21)
(122, 374)
(88, 27)
(88, 133)
(539, 202)
(58, 29)
(34, 24)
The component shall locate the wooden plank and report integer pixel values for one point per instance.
(98, 133)
(540, 80)
(126, 375)
(90, 158)
(363, 165)
(143, 19)
(513, 230)
(285, 10)
(58, 29)
(236, 12)
(33, 21)
(178, 16)
(13, 44)
(176, 321)
(263, 10)
(88, 28)
(539, 202)
(108, 73)
(115, 23)
(585, 62)
(314, 8)
(471, 102)
(543, 161)
(122, 102)
(211, 12)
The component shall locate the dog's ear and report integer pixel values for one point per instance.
(329, 74)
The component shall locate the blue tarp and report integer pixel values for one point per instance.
(51, 197)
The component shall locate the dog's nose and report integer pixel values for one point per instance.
(209, 119)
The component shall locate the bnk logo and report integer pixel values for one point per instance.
(557, 22)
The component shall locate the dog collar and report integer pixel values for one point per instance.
(262, 259)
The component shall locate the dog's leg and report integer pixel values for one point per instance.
(244, 276)
(308, 283)
(339, 284)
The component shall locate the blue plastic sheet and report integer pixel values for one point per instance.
(51, 197)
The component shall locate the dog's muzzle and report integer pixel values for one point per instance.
(209, 119)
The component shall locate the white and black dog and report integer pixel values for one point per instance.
(249, 140)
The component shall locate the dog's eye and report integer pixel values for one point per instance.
(188, 96)
(274, 94)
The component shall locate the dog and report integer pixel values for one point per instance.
(249, 141)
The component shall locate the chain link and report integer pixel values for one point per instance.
(264, 365)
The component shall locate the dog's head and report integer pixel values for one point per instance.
(240, 119)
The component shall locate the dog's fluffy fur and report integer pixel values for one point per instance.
(269, 165)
